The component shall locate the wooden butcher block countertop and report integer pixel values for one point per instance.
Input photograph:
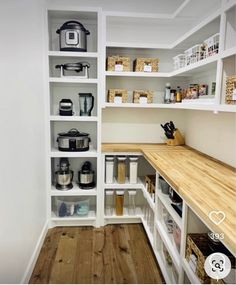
(205, 184)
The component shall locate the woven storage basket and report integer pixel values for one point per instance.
(143, 93)
(112, 93)
(198, 244)
(230, 89)
(146, 64)
(150, 181)
(112, 61)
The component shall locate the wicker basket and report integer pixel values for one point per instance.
(150, 181)
(118, 63)
(146, 64)
(230, 96)
(142, 93)
(121, 94)
(198, 244)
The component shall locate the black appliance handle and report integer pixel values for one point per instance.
(73, 131)
(58, 65)
(72, 174)
(73, 22)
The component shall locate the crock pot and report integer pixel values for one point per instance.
(73, 140)
(73, 36)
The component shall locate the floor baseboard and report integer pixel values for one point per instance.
(34, 256)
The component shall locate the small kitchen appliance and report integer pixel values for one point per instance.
(73, 36)
(65, 107)
(64, 175)
(86, 102)
(74, 67)
(86, 177)
(73, 140)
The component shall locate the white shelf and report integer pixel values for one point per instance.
(167, 204)
(72, 54)
(148, 232)
(137, 74)
(228, 52)
(226, 108)
(149, 199)
(199, 66)
(126, 185)
(196, 106)
(90, 217)
(137, 45)
(73, 80)
(56, 153)
(126, 215)
(191, 275)
(73, 118)
(165, 270)
(75, 191)
(169, 244)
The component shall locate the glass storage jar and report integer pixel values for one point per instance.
(132, 204)
(109, 202)
(121, 169)
(109, 169)
(119, 203)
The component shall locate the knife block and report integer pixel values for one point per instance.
(177, 140)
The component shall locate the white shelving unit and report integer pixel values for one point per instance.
(68, 87)
(221, 21)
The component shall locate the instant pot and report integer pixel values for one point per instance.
(73, 36)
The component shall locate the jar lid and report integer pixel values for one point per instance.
(132, 192)
(120, 192)
(109, 192)
(133, 158)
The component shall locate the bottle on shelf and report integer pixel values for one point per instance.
(109, 202)
(120, 203)
(109, 169)
(133, 169)
(121, 169)
(167, 94)
(132, 204)
(178, 95)
(172, 95)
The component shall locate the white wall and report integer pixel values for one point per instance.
(22, 168)
(138, 125)
(213, 134)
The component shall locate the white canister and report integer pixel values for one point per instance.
(133, 169)
(109, 170)
(109, 202)
(132, 204)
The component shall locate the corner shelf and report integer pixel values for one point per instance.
(90, 217)
(137, 74)
(125, 185)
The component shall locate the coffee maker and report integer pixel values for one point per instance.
(86, 177)
(86, 102)
(64, 175)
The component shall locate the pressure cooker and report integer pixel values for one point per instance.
(73, 140)
(73, 36)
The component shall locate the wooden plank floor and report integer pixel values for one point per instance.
(84, 255)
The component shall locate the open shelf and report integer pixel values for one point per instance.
(90, 217)
(73, 54)
(191, 275)
(126, 185)
(167, 204)
(165, 270)
(148, 232)
(72, 80)
(74, 118)
(57, 153)
(137, 74)
(75, 191)
(169, 244)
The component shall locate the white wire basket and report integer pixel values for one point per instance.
(194, 54)
(179, 61)
(212, 45)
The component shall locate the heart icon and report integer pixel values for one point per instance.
(217, 217)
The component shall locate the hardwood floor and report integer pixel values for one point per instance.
(111, 254)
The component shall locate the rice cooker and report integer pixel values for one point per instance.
(73, 140)
(73, 36)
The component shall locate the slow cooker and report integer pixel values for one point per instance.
(73, 36)
(73, 140)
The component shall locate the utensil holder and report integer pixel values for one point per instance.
(177, 140)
